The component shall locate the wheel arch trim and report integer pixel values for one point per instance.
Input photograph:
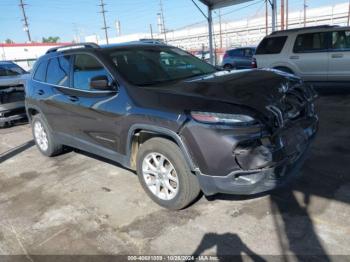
(163, 132)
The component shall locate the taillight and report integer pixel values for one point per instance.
(254, 63)
(226, 55)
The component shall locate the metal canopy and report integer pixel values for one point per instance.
(215, 4)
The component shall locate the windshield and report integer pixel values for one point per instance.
(11, 70)
(158, 65)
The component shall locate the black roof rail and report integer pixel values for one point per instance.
(73, 46)
(153, 41)
(305, 28)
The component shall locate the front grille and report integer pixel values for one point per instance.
(14, 112)
(296, 104)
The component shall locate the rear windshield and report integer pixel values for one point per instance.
(271, 45)
(157, 65)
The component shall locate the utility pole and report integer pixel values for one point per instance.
(267, 17)
(220, 28)
(162, 19)
(77, 33)
(305, 6)
(25, 20)
(151, 30)
(282, 14)
(287, 14)
(349, 15)
(105, 27)
(274, 14)
(118, 28)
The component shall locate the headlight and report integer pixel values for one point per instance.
(220, 118)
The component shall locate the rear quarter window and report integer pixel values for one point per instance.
(271, 45)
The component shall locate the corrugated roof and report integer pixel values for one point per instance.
(214, 4)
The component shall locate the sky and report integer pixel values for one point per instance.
(65, 18)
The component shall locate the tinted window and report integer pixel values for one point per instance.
(341, 40)
(10, 69)
(236, 52)
(249, 52)
(158, 65)
(58, 71)
(271, 45)
(85, 68)
(311, 42)
(40, 73)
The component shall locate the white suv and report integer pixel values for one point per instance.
(316, 54)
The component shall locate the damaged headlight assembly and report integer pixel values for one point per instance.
(222, 118)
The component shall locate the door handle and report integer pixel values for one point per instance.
(294, 57)
(40, 92)
(73, 98)
(337, 56)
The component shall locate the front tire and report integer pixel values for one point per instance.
(165, 175)
(43, 137)
(229, 67)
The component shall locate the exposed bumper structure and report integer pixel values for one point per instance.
(282, 165)
(12, 112)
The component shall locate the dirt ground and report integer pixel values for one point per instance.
(78, 204)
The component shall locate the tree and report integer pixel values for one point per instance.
(51, 39)
(9, 41)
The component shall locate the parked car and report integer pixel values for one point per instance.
(12, 82)
(316, 54)
(182, 128)
(238, 58)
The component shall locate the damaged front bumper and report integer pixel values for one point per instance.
(11, 104)
(287, 151)
(12, 112)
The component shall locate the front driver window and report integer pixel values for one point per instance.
(341, 40)
(85, 68)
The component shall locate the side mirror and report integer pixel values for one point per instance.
(100, 82)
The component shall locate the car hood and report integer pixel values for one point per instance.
(255, 89)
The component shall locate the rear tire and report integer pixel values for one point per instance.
(43, 137)
(162, 169)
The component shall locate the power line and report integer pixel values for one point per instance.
(25, 20)
(105, 27)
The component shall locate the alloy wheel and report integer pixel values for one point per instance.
(41, 136)
(160, 176)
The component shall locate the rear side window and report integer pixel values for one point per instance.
(58, 71)
(271, 45)
(40, 73)
(311, 42)
(236, 52)
(341, 40)
(85, 68)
